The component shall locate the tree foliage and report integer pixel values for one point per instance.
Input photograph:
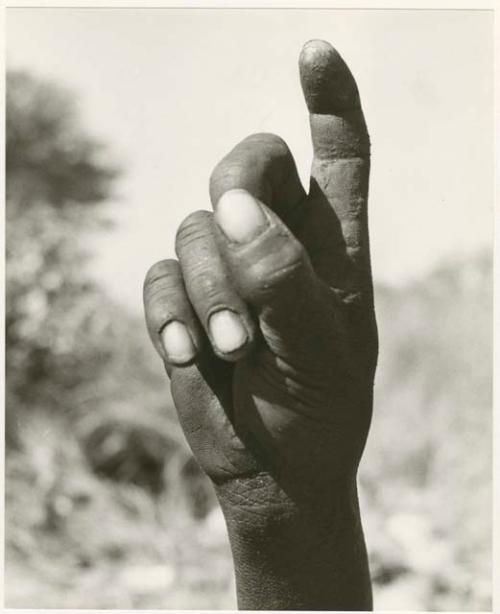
(49, 158)
(57, 180)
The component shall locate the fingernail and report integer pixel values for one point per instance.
(240, 216)
(177, 342)
(227, 331)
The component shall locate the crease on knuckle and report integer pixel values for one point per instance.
(193, 228)
(206, 286)
(165, 272)
(277, 268)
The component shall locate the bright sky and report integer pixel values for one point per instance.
(172, 90)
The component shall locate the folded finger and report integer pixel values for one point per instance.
(171, 321)
(221, 311)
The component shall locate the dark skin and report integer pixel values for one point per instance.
(279, 420)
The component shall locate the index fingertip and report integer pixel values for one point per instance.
(327, 82)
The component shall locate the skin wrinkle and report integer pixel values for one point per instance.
(258, 490)
(256, 421)
(305, 403)
(163, 312)
(345, 363)
(210, 287)
(191, 230)
(304, 377)
(263, 489)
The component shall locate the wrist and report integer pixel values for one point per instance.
(292, 554)
(258, 502)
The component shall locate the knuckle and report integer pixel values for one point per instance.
(249, 164)
(272, 143)
(208, 288)
(194, 227)
(160, 273)
(163, 287)
(277, 268)
(231, 172)
(160, 294)
(283, 264)
(207, 283)
(270, 153)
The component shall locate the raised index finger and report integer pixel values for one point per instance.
(341, 146)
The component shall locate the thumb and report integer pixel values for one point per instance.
(273, 273)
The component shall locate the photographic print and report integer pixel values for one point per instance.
(249, 304)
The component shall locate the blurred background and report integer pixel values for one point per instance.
(115, 119)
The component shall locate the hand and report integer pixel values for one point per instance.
(267, 329)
